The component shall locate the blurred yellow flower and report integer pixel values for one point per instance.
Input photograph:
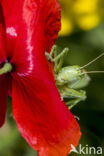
(83, 14)
(66, 26)
(88, 22)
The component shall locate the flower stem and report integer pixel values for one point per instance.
(6, 68)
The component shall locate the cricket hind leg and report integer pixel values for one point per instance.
(70, 104)
(74, 96)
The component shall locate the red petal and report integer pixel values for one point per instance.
(2, 35)
(42, 118)
(3, 79)
(3, 98)
(33, 13)
(52, 17)
(12, 14)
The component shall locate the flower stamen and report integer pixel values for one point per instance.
(6, 68)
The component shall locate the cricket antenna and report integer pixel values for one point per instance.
(92, 72)
(86, 65)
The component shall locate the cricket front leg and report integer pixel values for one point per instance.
(50, 56)
(60, 59)
(57, 59)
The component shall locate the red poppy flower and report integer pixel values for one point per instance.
(43, 119)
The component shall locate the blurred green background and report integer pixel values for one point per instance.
(83, 33)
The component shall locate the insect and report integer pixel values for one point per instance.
(70, 80)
